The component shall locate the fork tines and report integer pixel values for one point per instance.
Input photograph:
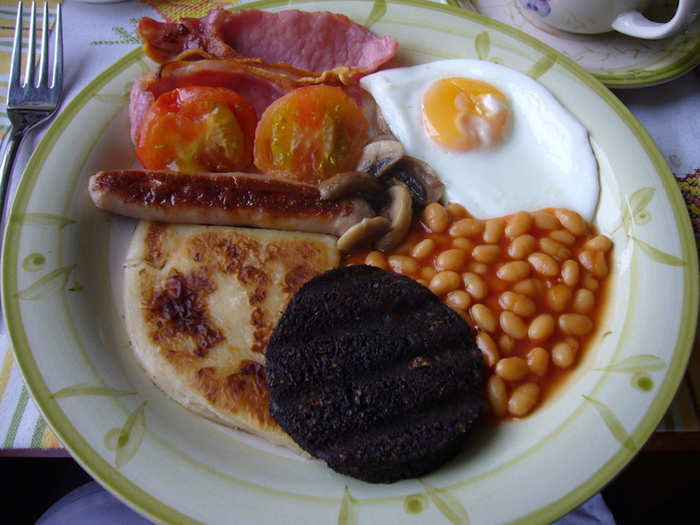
(16, 61)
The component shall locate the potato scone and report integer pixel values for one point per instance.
(201, 303)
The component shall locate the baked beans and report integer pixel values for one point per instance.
(538, 361)
(529, 285)
(452, 259)
(463, 244)
(563, 237)
(522, 246)
(523, 399)
(458, 300)
(466, 228)
(541, 327)
(483, 317)
(511, 368)
(517, 303)
(571, 220)
(435, 217)
(444, 282)
(456, 211)
(555, 249)
(570, 273)
(377, 259)
(493, 230)
(513, 271)
(543, 264)
(403, 264)
(486, 253)
(558, 297)
(489, 350)
(475, 285)
(506, 343)
(545, 221)
(423, 249)
(497, 394)
(427, 273)
(518, 224)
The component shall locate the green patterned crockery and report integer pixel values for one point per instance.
(617, 60)
(61, 285)
(601, 16)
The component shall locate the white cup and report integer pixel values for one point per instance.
(601, 16)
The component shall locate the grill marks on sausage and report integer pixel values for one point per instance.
(266, 201)
(225, 192)
(179, 308)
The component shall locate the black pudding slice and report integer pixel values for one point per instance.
(370, 372)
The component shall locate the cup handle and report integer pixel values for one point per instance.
(634, 23)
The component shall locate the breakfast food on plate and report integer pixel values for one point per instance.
(259, 84)
(239, 199)
(261, 55)
(311, 42)
(311, 134)
(371, 373)
(531, 285)
(378, 374)
(201, 303)
(198, 128)
(497, 138)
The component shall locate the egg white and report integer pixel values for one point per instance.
(544, 161)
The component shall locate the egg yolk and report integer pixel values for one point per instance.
(461, 114)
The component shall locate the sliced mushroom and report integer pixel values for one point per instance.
(380, 155)
(348, 183)
(400, 213)
(420, 179)
(363, 233)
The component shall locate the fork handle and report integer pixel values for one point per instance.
(8, 158)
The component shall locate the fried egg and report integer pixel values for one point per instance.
(498, 139)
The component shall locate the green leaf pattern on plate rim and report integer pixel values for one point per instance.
(376, 14)
(125, 441)
(447, 503)
(634, 213)
(613, 423)
(33, 262)
(42, 287)
(347, 515)
(639, 367)
(84, 389)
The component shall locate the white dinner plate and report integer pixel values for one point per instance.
(61, 295)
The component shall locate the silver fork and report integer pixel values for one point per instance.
(32, 101)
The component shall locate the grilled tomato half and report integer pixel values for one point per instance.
(310, 134)
(198, 128)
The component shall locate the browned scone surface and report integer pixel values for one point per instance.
(200, 305)
(370, 372)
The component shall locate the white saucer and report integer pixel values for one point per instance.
(616, 60)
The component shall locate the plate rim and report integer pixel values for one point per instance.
(138, 498)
